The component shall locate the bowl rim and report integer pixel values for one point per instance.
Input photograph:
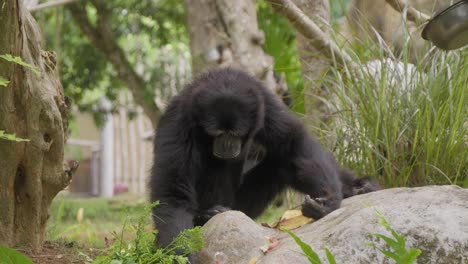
(437, 16)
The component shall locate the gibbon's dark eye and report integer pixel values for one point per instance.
(226, 146)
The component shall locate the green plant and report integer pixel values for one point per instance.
(5, 82)
(18, 60)
(87, 219)
(307, 251)
(11, 137)
(397, 244)
(77, 230)
(404, 123)
(65, 209)
(74, 230)
(11, 256)
(141, 249)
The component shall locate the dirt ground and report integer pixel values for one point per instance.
(63, 253)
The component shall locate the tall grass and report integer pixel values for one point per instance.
(406, 124)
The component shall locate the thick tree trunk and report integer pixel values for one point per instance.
(225, 33)
(32, 107)
(313, 62)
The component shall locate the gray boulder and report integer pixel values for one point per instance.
(433, 219)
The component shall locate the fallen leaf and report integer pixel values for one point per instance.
(290, 214)
(271, 243)
(291, 219)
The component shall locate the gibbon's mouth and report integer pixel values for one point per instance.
(227, 146)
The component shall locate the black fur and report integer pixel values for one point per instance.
(193, 185)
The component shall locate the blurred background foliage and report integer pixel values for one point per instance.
(151, 33)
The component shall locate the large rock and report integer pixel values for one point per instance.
(433, 219)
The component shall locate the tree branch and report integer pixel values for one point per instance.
(103, 38)
(49, 4)
(310, 30)
(412, 14)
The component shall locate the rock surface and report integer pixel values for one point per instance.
(433, 219)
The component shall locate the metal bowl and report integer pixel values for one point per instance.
(449, 28)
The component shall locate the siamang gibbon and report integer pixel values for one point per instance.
(227, 142)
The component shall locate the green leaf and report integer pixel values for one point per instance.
(392, 243)
(391, 255)
(399, 238)
(3, 81)
(11, 137)
(397, 244)
(411, 256)
(19, 61)
(11, 256)
(330, 257)
(311, 255)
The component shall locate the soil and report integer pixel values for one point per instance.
(63, 253)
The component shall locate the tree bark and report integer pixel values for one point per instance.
(102, 37)
(32, 107)
(225, 33)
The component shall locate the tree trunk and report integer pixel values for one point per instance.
(31, 107)
(312, 60)
(225, 33)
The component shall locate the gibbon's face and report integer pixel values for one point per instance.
(228, 118)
